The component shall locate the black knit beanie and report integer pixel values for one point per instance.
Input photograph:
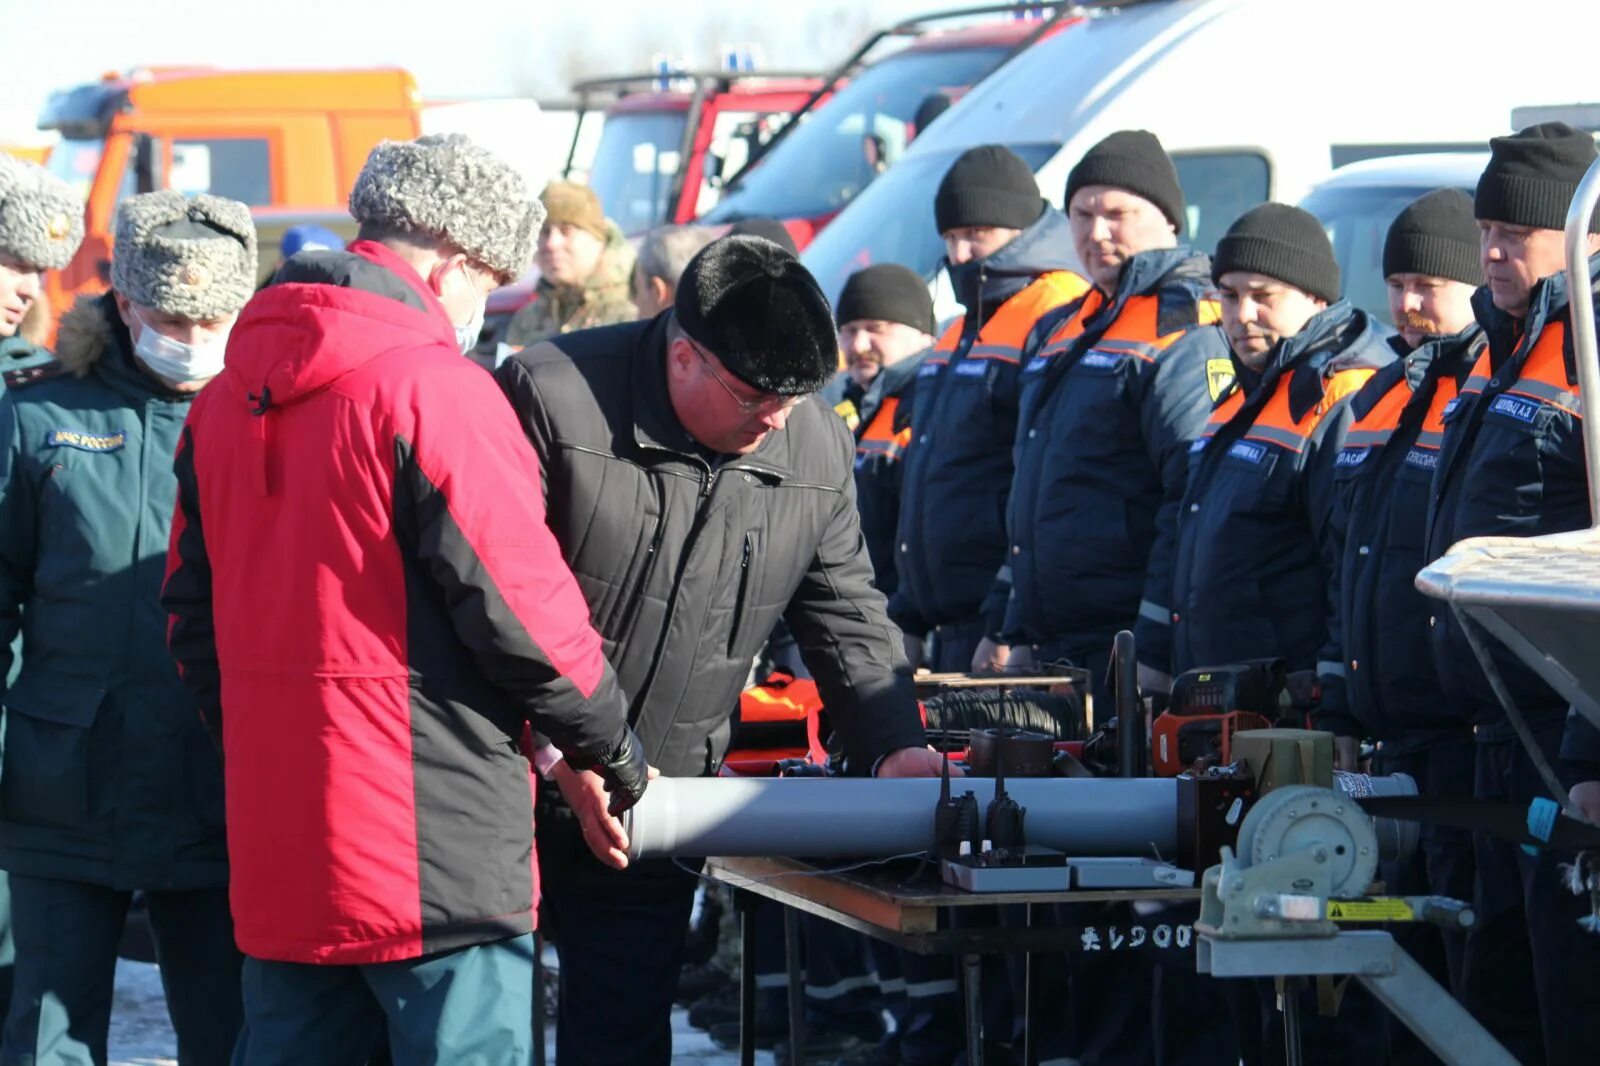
(1533, 175)
(887, 292)
(988, 186)
(1132, 160)
(760, 313)
(770, 228)
(1437, 236)
(1281, 242)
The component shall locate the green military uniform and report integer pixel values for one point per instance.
(20, 361)
(604, 300)
(110, 782)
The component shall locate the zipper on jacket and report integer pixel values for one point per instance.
(708, 478)
(625, 619)
(744, 588)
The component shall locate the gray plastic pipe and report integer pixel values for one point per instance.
(838, 818)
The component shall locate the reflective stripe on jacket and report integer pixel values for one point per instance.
(1511, 465)
(1256, 544)
(957, 473)
(1387, 689)
(1109, 406)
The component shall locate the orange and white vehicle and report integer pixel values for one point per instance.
(271, 139)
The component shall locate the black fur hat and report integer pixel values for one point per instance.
(761, 313)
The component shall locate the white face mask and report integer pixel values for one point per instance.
(175, 360)
(467, 335)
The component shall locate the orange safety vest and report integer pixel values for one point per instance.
(1133, 332)
(880, 436)
(1002, 337)
(1275, 425)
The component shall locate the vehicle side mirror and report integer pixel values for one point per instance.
(147, 163)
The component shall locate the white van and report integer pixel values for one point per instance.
(1357, 204)
(1255, 99)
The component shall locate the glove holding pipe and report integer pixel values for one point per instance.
(622, 767)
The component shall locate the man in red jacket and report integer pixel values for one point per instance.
(372, 613)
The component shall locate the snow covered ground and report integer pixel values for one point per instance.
(142, 1036)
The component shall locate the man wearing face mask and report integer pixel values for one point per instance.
(111, 785)
(371, 612)
(1008, 253)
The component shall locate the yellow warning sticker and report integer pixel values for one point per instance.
(1370, 910)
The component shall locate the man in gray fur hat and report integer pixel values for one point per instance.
(111, 785)
(371, 612)
(41, 226)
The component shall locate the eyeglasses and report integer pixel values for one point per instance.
(765, 405)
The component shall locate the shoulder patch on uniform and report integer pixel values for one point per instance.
(1219, 377)
(24, 376)
(847, 411)
(86, 442)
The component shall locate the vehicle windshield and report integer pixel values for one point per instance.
(848, 141)
(1357, 221)
(635, 165)
(75, 162)
(864, 236)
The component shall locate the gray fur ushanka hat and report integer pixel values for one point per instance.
(41, 218)
(448, 188)
(194, 258)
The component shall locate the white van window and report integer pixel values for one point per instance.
(910, 237)
(1342, 154)
(1218, 187)
(1358, 221)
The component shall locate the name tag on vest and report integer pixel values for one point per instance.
(86, 442)
(1450, 408)
(1422, 459)
(969, 368)
(928, 370)
(1352, 456)
(1248, 451)
(1199, 445)
(1524, 411)
(1100, 359)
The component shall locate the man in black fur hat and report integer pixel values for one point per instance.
(700, 495)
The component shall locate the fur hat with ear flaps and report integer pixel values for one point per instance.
(41, 218)
(447, 187)
(195, 258)
(761, 313)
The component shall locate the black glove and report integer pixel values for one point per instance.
(623, 768)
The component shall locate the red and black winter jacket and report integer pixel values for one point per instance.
(367, 600)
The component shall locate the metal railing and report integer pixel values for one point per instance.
(1583, 331)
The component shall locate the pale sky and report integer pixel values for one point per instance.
(455, 48)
